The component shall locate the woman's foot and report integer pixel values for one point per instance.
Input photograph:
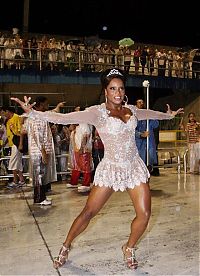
(62, 257)
(129, 257)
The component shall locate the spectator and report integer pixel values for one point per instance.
(144, 58)
(42, 154)
(56, 141)
(120, 57)
(3, 137)
(13, 127)
(196, 65)
(170, 62)
(151, 61)
(161, 59)
(34, 51)
(186, 65)
(61, 138)
(97, 149)
(64, 150)
(136, 59)
(127, 59)
(193, 138)
(80, 154)
(141, 136)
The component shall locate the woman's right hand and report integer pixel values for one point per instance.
(26, 106)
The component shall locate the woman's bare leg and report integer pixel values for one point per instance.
(141, 198)
(96, 200)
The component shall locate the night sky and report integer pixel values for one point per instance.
(145, 21)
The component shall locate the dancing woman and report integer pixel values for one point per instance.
(121, 167)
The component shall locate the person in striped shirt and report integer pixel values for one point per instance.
(193, 138)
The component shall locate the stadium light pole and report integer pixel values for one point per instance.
(26, 16)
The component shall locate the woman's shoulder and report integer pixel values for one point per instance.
(92, 107)
(133, 108)
(96, 108)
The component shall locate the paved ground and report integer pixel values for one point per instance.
(30, 236)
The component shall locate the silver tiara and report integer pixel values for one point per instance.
(114, 72)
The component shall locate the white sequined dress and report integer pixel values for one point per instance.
(121, 167)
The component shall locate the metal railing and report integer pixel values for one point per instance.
(5, 175)
(92, 61)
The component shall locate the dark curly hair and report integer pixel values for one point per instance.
(110, 74)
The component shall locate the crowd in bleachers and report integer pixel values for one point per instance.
(75, 55)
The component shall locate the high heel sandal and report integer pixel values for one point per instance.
(62, 257)
(130, 261)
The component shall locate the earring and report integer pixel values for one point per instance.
(126, 99)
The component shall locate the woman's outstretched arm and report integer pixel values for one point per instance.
(89, 116)
(144, 114)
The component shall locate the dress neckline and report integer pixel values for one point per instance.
(108, 114)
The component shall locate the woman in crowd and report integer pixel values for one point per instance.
(97, 150)
(193, 137)
(121, 167)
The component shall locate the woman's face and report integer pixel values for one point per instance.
(192, 117)
(115, 91)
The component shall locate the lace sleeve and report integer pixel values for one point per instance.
(144, 114)
(88, 116)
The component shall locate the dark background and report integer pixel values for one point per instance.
(172, 23)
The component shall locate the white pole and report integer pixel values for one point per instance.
(146, 84)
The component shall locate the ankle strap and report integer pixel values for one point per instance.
(130, 249)
(66, 248)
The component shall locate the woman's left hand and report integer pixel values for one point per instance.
(174, 113)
